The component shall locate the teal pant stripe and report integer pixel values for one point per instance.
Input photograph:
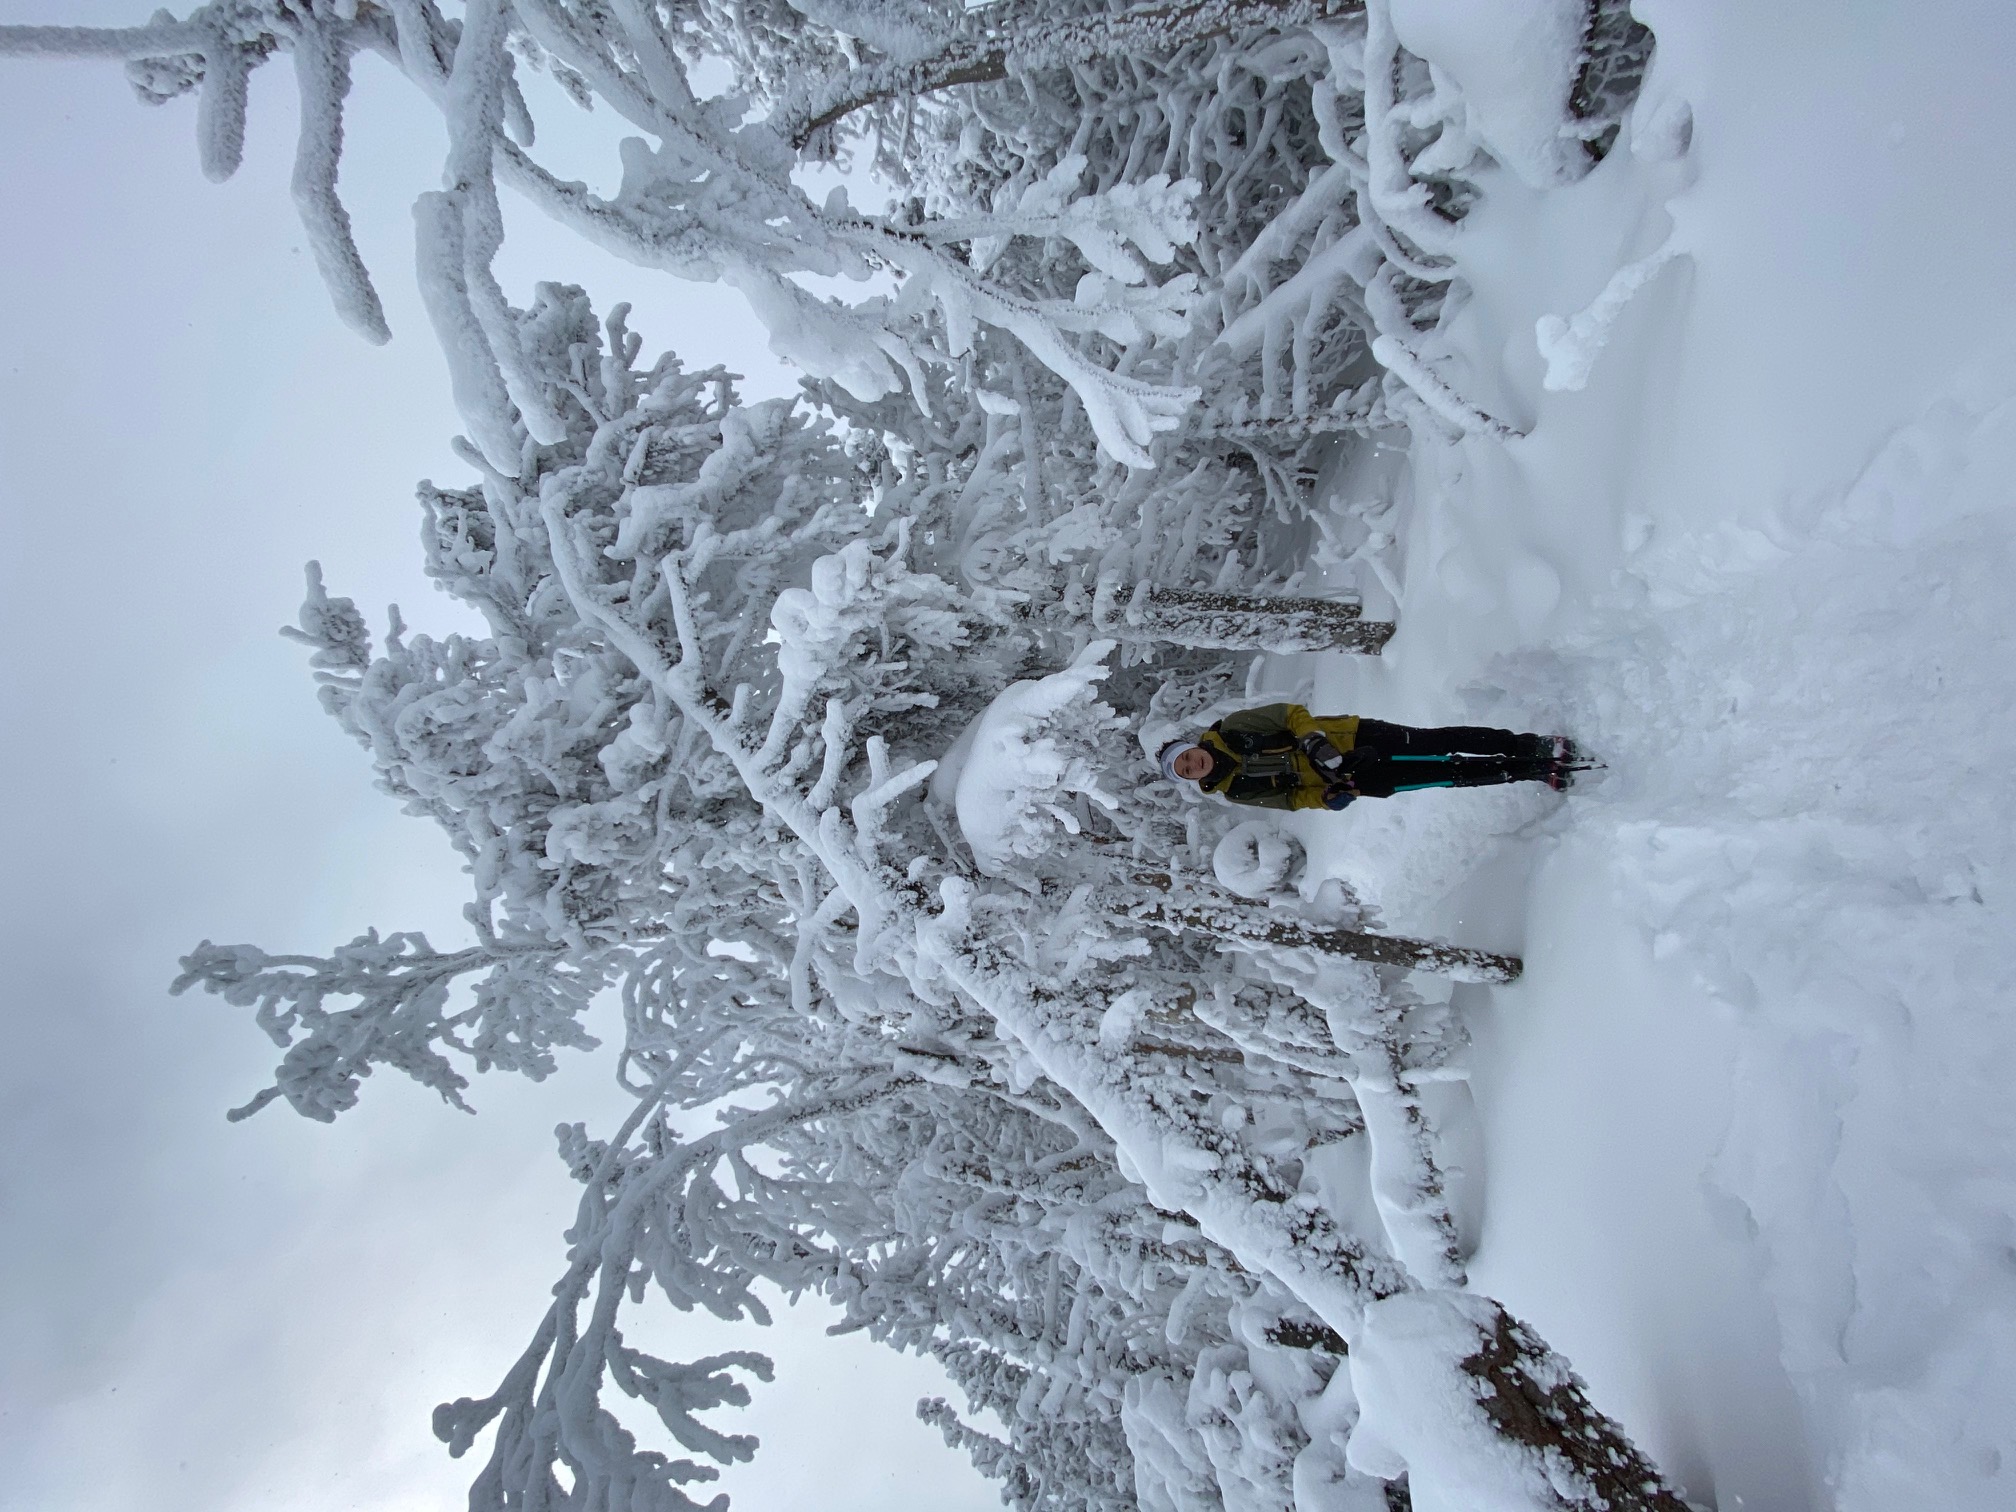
(1415, 787)
(1417, 758)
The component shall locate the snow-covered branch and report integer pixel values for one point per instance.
(1012, 38)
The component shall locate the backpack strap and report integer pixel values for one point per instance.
(1251, 732)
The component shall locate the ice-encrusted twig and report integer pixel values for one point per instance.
(1157, 25)
(1406, 364)
(322, 67)
(1571, 346)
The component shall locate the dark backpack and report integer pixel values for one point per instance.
(1266, 757)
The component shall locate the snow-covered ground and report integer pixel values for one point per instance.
(1745, 1155)
(1750, 1147)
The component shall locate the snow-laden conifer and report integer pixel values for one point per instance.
(972, 1044)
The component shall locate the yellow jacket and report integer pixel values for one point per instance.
(1258, 758)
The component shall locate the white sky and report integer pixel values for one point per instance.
(196, 1314)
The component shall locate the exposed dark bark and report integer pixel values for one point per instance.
(1616, 51)
(1224, 1055)
(1364, 420)
(1460, 962)
(1030, 41)
(1217, 621)
(1533, 1398)
(1295, 1334)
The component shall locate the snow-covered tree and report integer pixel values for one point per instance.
(740, 829)
(814, 730)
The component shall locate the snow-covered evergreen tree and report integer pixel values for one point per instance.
(815, 729)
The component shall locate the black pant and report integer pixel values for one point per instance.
(1390, 758)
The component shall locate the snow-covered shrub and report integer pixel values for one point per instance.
(1256, 859)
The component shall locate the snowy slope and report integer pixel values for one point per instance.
(1751, 1149)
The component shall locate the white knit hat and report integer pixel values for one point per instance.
(1169, 753)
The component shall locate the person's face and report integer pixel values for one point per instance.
(1194, 765)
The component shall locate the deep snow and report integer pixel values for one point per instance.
(1750, 1153)
(1747, 1144)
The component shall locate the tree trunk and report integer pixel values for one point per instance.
(1455, 1391)
(1211, 620)
(1462, 963)
(1533, 1399)
(1159, 26)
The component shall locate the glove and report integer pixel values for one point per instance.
(1338, 795)
(1324, 756)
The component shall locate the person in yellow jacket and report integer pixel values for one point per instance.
(1282, 756)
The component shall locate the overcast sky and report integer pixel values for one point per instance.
(202, 1315)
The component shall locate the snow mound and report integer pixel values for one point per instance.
(1255, 860)
(1029, 753)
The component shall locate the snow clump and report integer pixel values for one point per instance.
(1255, 860)
(1032, 750)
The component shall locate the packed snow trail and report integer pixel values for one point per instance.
(1746, 1123)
